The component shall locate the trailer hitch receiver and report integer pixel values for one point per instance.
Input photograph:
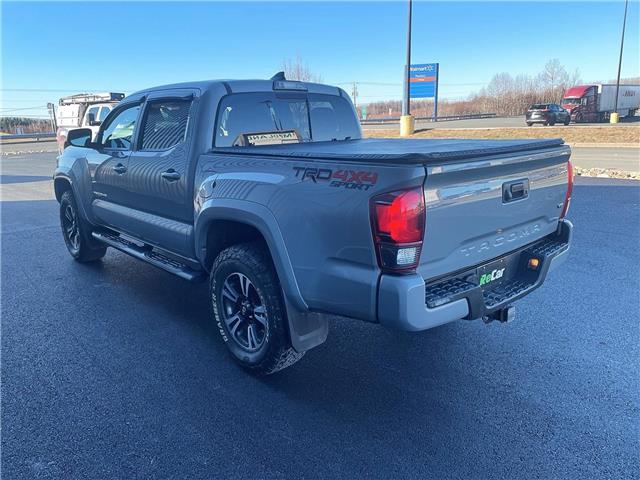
(504, 315)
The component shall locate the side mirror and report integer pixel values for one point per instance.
(78, 137)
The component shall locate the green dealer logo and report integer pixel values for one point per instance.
(490, 277)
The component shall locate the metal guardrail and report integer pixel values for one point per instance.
(377, 121)
(369, 121)
(36, 137)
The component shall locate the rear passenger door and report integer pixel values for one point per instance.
(158, 173)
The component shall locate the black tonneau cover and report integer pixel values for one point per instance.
(393, 150)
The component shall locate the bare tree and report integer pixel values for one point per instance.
(575, 78)
(504, 94)
(299, 70)
(555, 78)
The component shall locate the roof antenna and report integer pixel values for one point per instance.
(278, 77)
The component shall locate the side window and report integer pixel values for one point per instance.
(165, 124)
(104, 111)
(119, 132)
(92, 111)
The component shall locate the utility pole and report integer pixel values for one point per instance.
(354, 95)
(407, 125)
(52, 115)
(614, 116)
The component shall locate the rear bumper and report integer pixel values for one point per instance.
(407, 303)
(538, 119)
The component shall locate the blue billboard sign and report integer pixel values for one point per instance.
(423, 80)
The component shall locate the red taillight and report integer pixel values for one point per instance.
(398, 221)
(567, 197)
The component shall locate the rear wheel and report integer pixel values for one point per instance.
(77, 232)
(552, 121)
(529, 124)
(249, 310)
(567, 120)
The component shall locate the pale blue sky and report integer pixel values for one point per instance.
(53, 49)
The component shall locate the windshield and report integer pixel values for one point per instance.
(571, 101)
(313, 117)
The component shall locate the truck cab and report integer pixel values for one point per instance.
(582, 103)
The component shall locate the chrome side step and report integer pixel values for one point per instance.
(148, 255)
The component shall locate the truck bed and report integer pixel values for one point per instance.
(395, 151)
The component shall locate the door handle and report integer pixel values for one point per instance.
(171, 175)
(515, 190)
(120, 168)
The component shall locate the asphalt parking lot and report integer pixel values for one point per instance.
(116, 371)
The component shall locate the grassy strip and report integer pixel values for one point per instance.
(626, 134)
(605, 173)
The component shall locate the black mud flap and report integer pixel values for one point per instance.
(307, 329)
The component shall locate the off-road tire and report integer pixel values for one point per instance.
(253, 261)
(84, 248)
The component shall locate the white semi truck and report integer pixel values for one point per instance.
(83, 110)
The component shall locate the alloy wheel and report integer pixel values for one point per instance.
(244, 312)
(70, 227)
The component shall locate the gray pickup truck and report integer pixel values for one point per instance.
(267, 189)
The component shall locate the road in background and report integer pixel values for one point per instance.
(115, 370)
(496, 122)
(620, 158)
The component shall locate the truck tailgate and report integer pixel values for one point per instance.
(480, 209)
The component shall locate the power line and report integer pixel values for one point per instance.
(12, 109)
(24, 116)
(92, 90)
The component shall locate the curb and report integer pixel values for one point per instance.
(605, 145)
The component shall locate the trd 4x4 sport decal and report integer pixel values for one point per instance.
(352, 179)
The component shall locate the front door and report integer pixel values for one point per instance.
(158, 175)
(109, 162)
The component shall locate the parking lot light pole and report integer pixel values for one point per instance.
(407, 122)
(614, 115)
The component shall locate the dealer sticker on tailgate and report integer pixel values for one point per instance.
(492, 274)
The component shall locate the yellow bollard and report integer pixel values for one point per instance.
(407, 125)
(614, 117)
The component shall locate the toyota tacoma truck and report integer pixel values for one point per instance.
(267, 190)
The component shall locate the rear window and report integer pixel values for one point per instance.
(539, 106)
(314, 117)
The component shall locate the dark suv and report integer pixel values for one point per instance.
(547, 114)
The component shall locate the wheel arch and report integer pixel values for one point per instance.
(227, 222)
(306, 329)
(60, 185)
